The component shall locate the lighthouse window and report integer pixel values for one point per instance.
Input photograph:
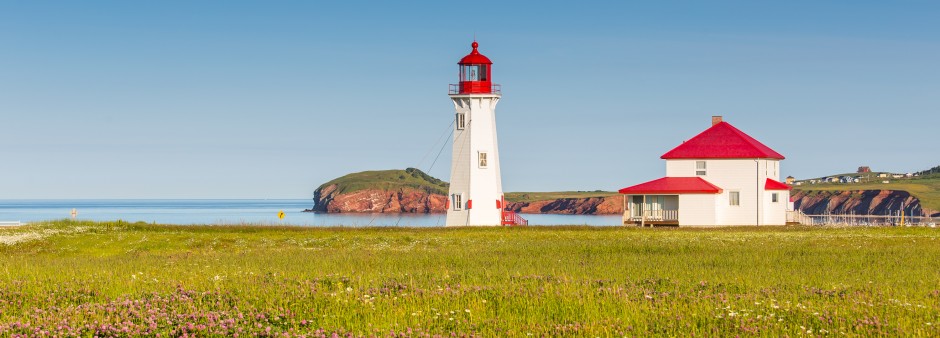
(458, 202)
(473, 73)
(483, 162)
(461, 121)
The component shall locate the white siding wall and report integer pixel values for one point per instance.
(697, 210)
(483, 186)
(776, 213)
(746, 176)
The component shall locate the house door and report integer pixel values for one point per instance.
(636, 206)
(654, 206)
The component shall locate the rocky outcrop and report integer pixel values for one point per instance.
(329, 199)
(611, 205)
(413, 191)
(859, 202)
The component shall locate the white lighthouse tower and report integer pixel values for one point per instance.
(476, 189)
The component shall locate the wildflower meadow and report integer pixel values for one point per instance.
(65, 278)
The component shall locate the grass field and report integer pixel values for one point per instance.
(119, 279)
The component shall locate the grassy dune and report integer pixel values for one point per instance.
(127, 279)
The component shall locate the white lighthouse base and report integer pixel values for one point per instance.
(476, 190)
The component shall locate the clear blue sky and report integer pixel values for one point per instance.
(228, 99)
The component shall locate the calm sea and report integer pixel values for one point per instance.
(237, 212)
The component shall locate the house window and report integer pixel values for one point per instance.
(734, 198)
(700, 168)
(774, 197)
(482, 157)
(461, 121)
(458, 202)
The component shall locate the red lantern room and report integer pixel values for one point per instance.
(475, 74)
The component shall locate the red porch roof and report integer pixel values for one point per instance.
(722, 140)
(775, 185)
(673, 185)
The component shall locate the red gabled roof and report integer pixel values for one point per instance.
(673, 185)
(722, 140)
(772, 184)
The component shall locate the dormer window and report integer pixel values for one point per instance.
(700, 168)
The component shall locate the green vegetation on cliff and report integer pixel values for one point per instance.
(388, 180)
(925, 188)
(555, 195)
(417, 179)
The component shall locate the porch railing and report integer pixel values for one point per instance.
(797, 217)
(512, 218)
(660, 215)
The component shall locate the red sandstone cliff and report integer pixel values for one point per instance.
(328, 199)
(860, 202)
(611, 205)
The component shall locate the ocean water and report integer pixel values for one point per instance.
(261, 211)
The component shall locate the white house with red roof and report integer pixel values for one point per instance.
(722, 176)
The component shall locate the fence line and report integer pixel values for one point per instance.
(867, 220)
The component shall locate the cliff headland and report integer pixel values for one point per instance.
(413, 191)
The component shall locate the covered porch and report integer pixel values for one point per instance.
(657, 202)
(650, 210)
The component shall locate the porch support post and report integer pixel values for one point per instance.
(623, 212)
(643, 210)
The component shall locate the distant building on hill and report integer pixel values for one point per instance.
(790, 180)
(864, 169)
(722, 176)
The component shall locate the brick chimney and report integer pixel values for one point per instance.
(716, 119)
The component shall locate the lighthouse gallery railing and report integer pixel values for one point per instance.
(454, 89)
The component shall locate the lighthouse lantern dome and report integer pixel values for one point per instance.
(475, 73)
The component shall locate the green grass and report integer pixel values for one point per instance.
(544, 196)
(119, 279)
(926, 189)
